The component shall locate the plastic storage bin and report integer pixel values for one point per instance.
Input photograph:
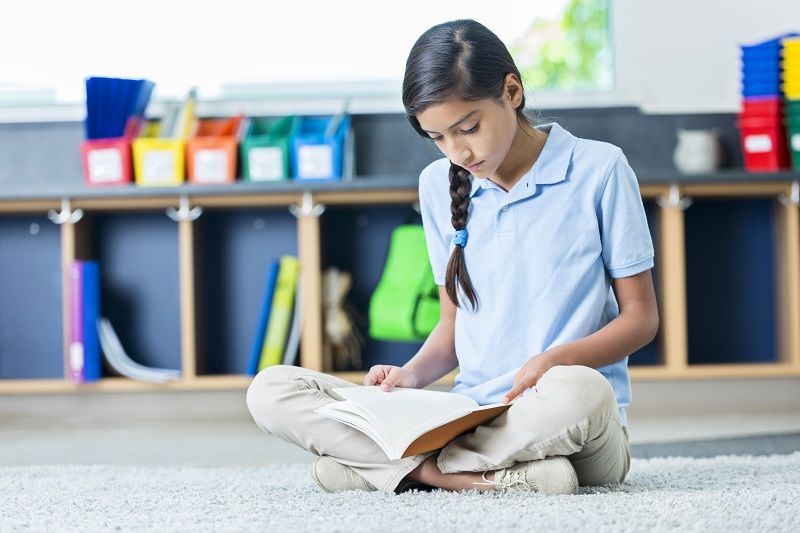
(793, 138)
(763, 143)
(211, 153)
(106, 161)
(158, 161)
(266, 149)
(318, 147)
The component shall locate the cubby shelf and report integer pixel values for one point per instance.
(735, 236)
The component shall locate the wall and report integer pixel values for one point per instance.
(682, 56)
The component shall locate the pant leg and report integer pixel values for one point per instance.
(282, 400)
(572, 411)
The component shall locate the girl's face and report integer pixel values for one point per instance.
(476, 135)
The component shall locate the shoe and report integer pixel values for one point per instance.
(332, 476)
(551, 475)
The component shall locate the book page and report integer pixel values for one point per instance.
(403, 414)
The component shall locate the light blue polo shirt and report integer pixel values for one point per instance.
(541, 257)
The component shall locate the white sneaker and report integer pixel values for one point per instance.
(333, 476)
(551, 475)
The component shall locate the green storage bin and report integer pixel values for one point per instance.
(405, 303)
(793, 138)
(792, 108)
(265, 149)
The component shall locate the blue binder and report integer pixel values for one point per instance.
(263, 318)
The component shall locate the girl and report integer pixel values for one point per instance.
(540, 245)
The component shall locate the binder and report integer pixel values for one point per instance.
(84, 347)
(280, 313)
(75, 363)
(263, 317)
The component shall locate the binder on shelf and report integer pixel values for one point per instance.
(266, 148)
(84, 347)
(159, 153)
(114, 111)
(318, 147)
(211, 152)
(272, 351)
(263, 318)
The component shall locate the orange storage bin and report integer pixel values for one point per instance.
(211, 154)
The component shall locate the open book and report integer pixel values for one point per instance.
(406, 422)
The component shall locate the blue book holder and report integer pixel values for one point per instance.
(318, 147)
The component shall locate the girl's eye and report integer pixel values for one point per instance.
(473, 129)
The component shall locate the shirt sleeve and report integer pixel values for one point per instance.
(437, 244)
(625, 236)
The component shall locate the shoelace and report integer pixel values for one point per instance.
(512, 477)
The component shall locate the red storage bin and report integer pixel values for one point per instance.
(762, 106)
(107, 161)
(763, 143)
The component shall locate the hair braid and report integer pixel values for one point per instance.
(460, 188)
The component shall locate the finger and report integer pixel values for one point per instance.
(513, 393)
(389, 382)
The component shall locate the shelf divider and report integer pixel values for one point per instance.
(308, 246)
(787, 264)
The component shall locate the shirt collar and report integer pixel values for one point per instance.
(552, 164)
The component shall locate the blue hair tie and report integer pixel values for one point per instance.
(461, 238)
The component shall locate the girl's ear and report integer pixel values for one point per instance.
(512, 90)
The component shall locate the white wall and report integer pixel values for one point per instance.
(682, 56)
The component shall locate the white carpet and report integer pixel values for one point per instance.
(727, 493)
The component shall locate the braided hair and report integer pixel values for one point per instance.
(464, 59)
(460, 188)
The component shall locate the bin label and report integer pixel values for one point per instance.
(315, 161)
(105, 165)
(796, 142)
(757, 144)
(159, 165)
(266, 163)
(210, 166)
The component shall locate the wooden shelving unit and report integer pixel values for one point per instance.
(668, 202)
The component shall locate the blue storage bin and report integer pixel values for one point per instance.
(764, 50)
(315, 154)
(760, 89)
(749, 78)
(763, 65)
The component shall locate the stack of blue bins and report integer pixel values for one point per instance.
(761, 69)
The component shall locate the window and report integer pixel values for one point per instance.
(256, 49)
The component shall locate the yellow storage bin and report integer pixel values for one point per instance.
(158, 161)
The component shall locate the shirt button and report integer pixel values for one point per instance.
(505, 208)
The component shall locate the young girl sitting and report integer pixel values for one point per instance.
(539, 244)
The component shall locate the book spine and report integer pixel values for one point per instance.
(76, 360)
(280, 314)
(263, 319)
(91, 314)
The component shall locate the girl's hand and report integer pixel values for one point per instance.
(530, 374)
(388, 377)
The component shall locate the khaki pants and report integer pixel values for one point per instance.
(572, 411)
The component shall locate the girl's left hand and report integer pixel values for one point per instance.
(530, 374)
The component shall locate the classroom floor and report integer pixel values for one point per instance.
(215, 429)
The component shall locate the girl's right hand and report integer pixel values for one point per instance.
(388, 377)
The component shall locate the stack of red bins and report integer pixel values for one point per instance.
(761, 119)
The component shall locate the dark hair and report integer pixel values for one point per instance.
(460, 58)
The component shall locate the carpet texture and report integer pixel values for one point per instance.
(726, 493)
